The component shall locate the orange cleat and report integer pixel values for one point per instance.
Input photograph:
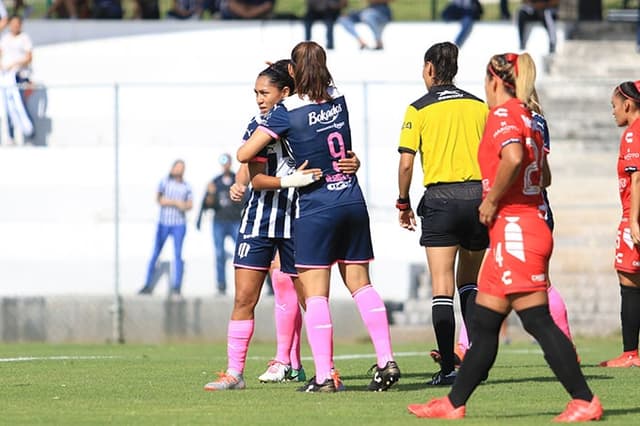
(626, 360)
(581, 411)
(460, 350)
(439, 408)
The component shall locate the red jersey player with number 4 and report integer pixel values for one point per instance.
(514, 274)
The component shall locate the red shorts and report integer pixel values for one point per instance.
(518, 257)
(627, 254)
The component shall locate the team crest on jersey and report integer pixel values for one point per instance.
(628, 137)
(243, 250)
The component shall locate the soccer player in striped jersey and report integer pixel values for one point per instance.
(514, 271)
(625, 102)
(175, 198)
(266, 227)
(333, 222)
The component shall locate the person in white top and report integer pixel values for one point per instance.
(4, 16)
(16, 50)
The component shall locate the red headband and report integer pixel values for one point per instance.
(511, 58)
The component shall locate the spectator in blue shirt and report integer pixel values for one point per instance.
(376, 15)
(175, 199)
(465, 11)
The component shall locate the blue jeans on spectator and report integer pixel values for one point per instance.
(221, 230)
(375, 17)
(177, 232)
(465, 16)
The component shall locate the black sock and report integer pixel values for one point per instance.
(444, 326)
(558, 350)
(467, 301)
(630, 316)
(480, 357)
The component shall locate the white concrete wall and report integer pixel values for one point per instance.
(188, 95)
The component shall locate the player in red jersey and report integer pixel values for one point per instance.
(514, 273)
(626, 111)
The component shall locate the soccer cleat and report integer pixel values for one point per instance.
(226, 381)
(437, 358)
(459, 352)
(581, 411)
(332, 384)
(276, 372)
(294, 375)
(384, 378)
(626, 360)
(439, 408)
(441, 379)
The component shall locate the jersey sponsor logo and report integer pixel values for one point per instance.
(628, 137)
(513, 238)
(338, 177)
(538, 278)
(243, 250)
(337, 186)
(449, 94)
(635, 263)
(619, 257)
(505, 128)
(336, 126)
(631, 155)
(501, 112)
(325, 116)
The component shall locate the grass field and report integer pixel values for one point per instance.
(140, 385)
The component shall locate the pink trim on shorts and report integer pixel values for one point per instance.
(354, 261)
(253, 268)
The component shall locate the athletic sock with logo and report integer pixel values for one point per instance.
(286, 308)
(558, 350)
(320, 335)
(239, 334)
(445, 327)
(374, 316)
(630, 316)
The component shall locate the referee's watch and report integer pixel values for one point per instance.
(403, 204)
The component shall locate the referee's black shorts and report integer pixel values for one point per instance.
(449, 213)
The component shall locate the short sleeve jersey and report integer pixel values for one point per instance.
(319, 133)
(173, 190)
(628, 163)
(509, 123)
(270, 213)
(445, 126)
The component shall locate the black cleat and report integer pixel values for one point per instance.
(332, 384)
(384, 378)
(441, 379)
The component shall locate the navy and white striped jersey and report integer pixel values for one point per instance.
(319, 133)
(173, 190)
(270, 213)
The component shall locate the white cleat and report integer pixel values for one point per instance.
(277, 372)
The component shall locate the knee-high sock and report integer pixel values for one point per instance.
(467, 295)
(238, 337)
(558, 350)
(286, 308)
(294, 354)
(320, 335)
(630, 317)
(558, 311)
(480, 356)
(444, 326)
(463, 338)
(374, 316)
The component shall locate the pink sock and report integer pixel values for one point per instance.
(320, 335)
(238, 336)
(558, 311)
(294, 355)
(286, 309)
(463, 339)
(374, 316)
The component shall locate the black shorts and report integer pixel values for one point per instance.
(449, 213)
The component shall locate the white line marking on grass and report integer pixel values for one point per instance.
(57, 358)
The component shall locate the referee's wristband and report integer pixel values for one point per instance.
(403, 204)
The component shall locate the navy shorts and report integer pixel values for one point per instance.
(328, 236)
(449, 214)
(258, 253)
